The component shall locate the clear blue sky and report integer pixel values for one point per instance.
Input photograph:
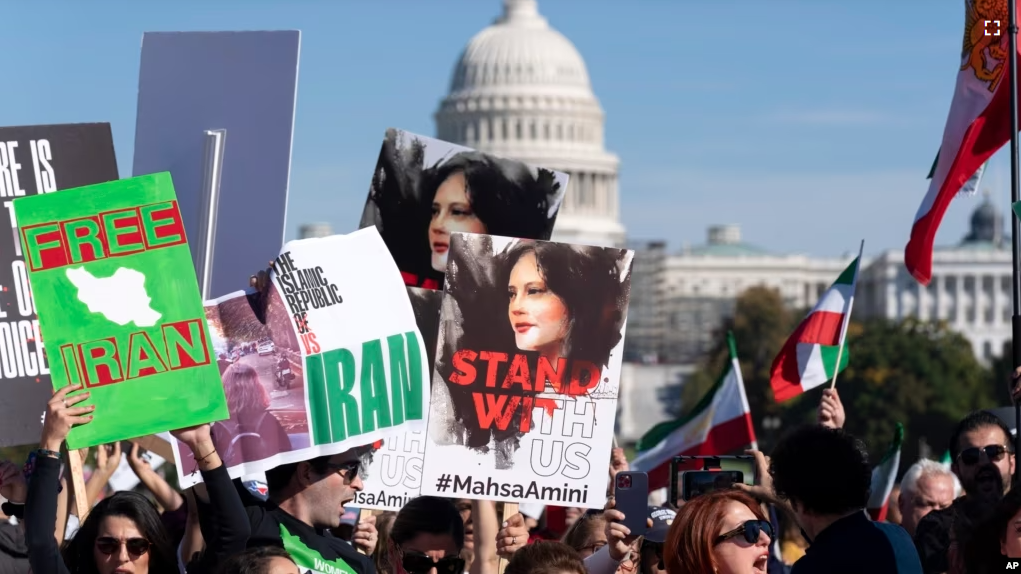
(811, 123)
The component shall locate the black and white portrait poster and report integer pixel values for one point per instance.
(423, 190)
(527, 371)
(34, 160)
(394, 475)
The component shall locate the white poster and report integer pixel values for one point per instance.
(394, 476)
(527, 371)
(338, 363)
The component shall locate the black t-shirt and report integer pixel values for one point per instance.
(314, 552)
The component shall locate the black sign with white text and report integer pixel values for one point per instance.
(33, 160)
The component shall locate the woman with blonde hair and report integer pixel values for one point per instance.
(722, 532)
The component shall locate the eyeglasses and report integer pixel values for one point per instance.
(971, 456)
(109, 545)
(349, 469)
(751, 530)
(418, 563)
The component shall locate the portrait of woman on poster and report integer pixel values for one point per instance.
(252, 432)
(534, 298)
(417, 208)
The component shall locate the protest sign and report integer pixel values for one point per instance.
(241, 87)
(527, 371)
(395, 474)
(36, 160)
(424, 189)
(119, 305)
(340, 316)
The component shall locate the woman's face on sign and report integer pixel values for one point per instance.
(537, 315)
(451, 212)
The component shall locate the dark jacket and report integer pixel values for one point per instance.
(229, 533)
(856, 545)
(13, 549)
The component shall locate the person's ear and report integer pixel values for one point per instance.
(305, 474)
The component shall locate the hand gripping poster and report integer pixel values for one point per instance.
(36, 160)
(394, 476)
(527, 371)
(424, 189)
(119, 307)
(338, 361)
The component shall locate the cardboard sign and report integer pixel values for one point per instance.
(349, 337)
(394, 476)
(119, 306)
(245, 84)
(36, 160)
(527, 371)
(424, 189)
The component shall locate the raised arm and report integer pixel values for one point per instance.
(165, 494)
(61, 415)
(230, 528)
(108, 457)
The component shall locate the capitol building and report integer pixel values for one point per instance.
(521, 90)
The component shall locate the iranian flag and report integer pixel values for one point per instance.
(810, 356)
(884, 476)
(720, 423)
(977, 126)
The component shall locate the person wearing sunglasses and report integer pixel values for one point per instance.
(123, 534)
(305, 501)
(982, 457)
(427, 537)
(721, 532)
(824, 478)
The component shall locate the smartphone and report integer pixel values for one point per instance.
(680, 466)
(631, 496)
(698, 482)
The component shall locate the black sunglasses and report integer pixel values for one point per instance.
(349, 469)
(418, 563)
(109, 545)
(971, 456)
(750, 529)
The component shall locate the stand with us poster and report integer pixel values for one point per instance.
(527, 371)
(424, 189)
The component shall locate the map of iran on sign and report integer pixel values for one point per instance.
(119, 307)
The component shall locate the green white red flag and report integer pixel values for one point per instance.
(811, 355)
(977, 126)
(720, 423)
(884, 476)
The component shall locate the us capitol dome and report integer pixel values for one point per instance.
(521, 90)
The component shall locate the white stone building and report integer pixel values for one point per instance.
(970, 287)
(685, 296)
(310, 230)
(521, 90)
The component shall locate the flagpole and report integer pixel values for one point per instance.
(847, 319)
(1015, 228)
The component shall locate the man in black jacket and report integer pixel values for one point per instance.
(825, 476)
(306, 499)
(13, 549)
(982, 457)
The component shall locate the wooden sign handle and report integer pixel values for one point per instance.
(77, 483)
(509, 509)
(362, 515)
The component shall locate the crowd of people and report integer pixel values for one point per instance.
(804, 514)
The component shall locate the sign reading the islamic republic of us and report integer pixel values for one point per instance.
(119, 307)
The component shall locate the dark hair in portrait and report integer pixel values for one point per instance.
(416, 207)
(570, 301)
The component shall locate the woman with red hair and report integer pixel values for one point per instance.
(722, 532)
